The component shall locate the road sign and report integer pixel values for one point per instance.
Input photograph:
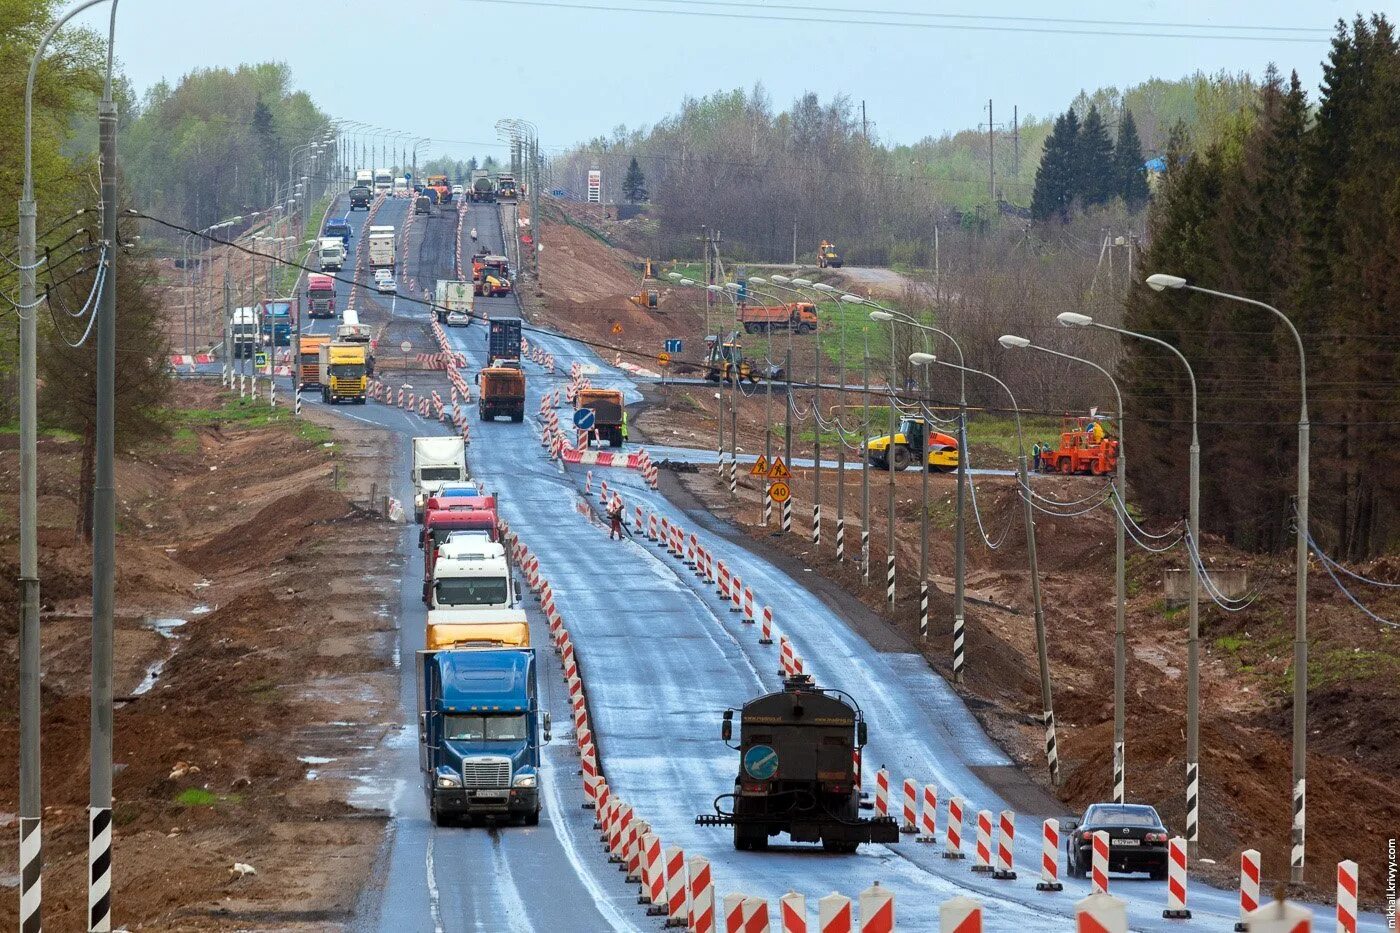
(663, 358)
(673, 346)
(260, 359)
(617, 329)
(584, 419)
(779, 470)
(760, 466)
(761, 762)
(406, 346)
(779, 492)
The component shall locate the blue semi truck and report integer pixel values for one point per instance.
(480, 731)
(276, 320)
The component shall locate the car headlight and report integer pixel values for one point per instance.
(524, 780)
(447, 778)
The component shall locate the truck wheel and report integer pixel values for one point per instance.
(1066, 467)
(517, 418)
(839, 847)
(749, 838)
(533, 817)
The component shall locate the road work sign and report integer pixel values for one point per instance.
(760, 466)
(663, 359)
(779, 470)
(616, 329)
(584, 419)
(779, 492)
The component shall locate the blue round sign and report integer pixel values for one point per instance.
(584, 419)
(761, 762)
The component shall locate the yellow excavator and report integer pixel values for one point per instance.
(828, 256)
(726, 362)
(649, 297)
(941, 450)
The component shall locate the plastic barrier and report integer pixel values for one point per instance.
(1049, 857)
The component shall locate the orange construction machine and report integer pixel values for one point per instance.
(1084, 449)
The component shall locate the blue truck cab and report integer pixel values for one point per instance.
(339, 226)
(480, 731)
(276, 323)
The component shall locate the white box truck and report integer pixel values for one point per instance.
(437, 461)
(381, 251)
(453, 302)
(245, 331)
(331, 253)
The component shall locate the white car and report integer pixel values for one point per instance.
(383, 274)
(458, 319)
(457, 191)
(386, 286)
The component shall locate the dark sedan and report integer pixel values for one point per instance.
(1137, 840)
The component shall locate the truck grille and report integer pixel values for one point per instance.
(486, 772)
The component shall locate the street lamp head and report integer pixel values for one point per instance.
(881, 316)
(823, 287)
(675, 276)
(1160, 280)
(802, 283)
(1073, 319)
(732, 286)
(713, 288)
(687, 282)
(780, 279)
(922, 359)
(757, 280)
(852, 299)
(1012, 342)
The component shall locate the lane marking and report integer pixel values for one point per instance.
(434, 910)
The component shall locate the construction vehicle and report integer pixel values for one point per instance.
(482, 187)
(360, 196)
(502, 392)
(437, 462)
(310, 369)
(798, 316)
(343, 372)
(608, 414)
(649, 296)
(505, 186)
(726, 362)
(245, 332)
(440, 184)
(1084, 449)
(503, 341)
(828, 256)
(797, 771)
(912, 438)
(490, 275)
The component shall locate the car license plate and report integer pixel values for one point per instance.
(492, 794)
(1127, 842)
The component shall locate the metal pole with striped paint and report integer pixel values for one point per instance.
(99, 869)
(1119, 787)
(923, 610)
(1300, 793)
(959, 652)
(817, 525)
(296, 406)
(787, 515)
(865, 553)
(1052, 754)
(733, 478)
(840, 537)
(889, 578)
(1049, 857)
(1193, 798)
(1176, 881)
(31, 867)
(767, 509)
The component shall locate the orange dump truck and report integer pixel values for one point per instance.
(502, 393)
(309, 367)
(799, 316)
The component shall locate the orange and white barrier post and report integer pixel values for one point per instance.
(876, 910)
(928, 816)
(635, 849)
(1098, 866)
(960, 915)
(952, 836)
(702, 896)
(723, 582)
(755, 915)
(649, 849)
(834, 914)
(1280, 917)
(792, 908)
(748, 605)
(1006, 846)
(982, 848)
(765, 632)
(733, 909)
(1101, 912)
(588, 483)
(1348, 874)
(654, 876)
(736, 593)
(1049, 857)
(910, 798)
(675, 887)
(1176, 881)
(882, 792)
(785, 657)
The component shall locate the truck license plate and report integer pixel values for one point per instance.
(492, 794)
(1127, 842)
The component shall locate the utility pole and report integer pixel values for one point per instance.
(794, 242)
(864, 124)
(865, 473)
(1016, 139)
(889, 489)
(816, 442)
(991, 157)
(787, 436)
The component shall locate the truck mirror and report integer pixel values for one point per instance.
(546, 726)
(726, 729)
(423, 727)
(862, 734)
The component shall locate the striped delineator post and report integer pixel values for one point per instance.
(882, 792)
(960, 915)
(736, 594)
(792, 912)
(909, 809)
(1176, 881)
(787, 515)
(817, 525)
(651, 526)
(675, 887)
(656, 876)
(1193, 801)
(1098, 864)
(723, 582)
(99, 869)
(733, 478)
(1006, 846)
(31, 867)
(1101, 912)
(1119, 785)
(765, 632)
(650, 848)
(1052, 752)
(767, 511)
(834, 914)
(840, 538)
(1249, 886)
(928, 816)
(733, 910)
(923, 610)
(755, 915)
(982, 848)
(1348, 875)
(865, 552)
(952, 836)
(296, 405)
(876, 910)
(1300, 793)
(889, 579)
(702, 896)
(1049, 857)
(785, 657)
(748, 605)
(635, 832)
(589, 766)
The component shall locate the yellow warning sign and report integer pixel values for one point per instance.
(779, 492)
(663, 358)
(760, 467)
(779, 470)
(617, 329)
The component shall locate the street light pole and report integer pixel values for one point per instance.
(1193, 675)
(1042, 648)
(1300, 631)
(1120, 576)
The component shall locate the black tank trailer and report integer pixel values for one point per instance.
(796, 771)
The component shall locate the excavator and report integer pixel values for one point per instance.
(649, 296)
(828, 256)
(726, 362)
(940, 451)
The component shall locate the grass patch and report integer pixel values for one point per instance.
(55, 434)
(999, 431)
(256, 413)
(196, 797)
(1231, 643)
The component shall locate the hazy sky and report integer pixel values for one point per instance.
(448, 69)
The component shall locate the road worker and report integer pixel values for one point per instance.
(615, 518)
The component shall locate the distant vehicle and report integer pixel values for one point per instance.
(828, 256)
(275, 321)
(381, 250)
(457, 191)
(339, 227)
(331, 253)
(1084, 449)
(502, 340)
(360, 197)
(453, 302)
(423, 205)
(797, 316)
(320, 296)
(400, 187)
(245, 332)
(364, 177)
(437, 462)
(483, 189)
(502, 393)
(1137, 839)
(344, 372)
(380, 274)
(383, 181)
(309, 369)
(387, 286)
(607, 412)
(909, 440)
(505, 186)
(439, 184)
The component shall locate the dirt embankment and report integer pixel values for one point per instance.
(253, 666)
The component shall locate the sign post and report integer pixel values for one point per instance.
(407, 348)
(584, 420)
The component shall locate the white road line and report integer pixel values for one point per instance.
(433, 908)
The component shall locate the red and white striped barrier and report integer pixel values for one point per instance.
(1176, 881)
(876, 910)
(1006, 846)
(1098, 867)
(834, 914)
(928, 816)
(733, 910)
(736, 593)
(766, 628)
(1348, 877)
(702, 896)
(1101, 912)
(982, 849)
(792, 912)
(723, 582)
(1249, 885)
(676, 887)
(787, 661)
(1049, 857)
(748, 605)
(908, 810)
(635, 854)
(653, 873)
(960, 915)
(882, 792)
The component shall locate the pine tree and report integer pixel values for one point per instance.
(1093, 173)
(1054, 179)
(1130, 178)
(634, 184)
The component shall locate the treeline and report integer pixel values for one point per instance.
(1298, 207)
(217, 143)
(1081, 168)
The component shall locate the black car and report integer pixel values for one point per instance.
(1137, 840)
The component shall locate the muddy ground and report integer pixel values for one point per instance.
(253, 670)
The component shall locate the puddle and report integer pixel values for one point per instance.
(314, 760)
(165, 628)
(200, 610)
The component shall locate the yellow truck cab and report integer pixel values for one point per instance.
(941, 453)
(457, 628)
(344, 377)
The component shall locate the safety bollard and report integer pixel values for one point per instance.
(656, 876)
(755, 915)
(1176, 882)
(675, 887)
(748, 605)
(785, 656)
(876, 910)
(635, 832)
(960, 915)
(982, 848)
(1101, 912)
(1049, 857)
(651, 526)
(928, 816)
(736, 593)
(908, 811)
(723, 582)
(792, 908)
(1280, 917)
(1006, 846)
(588, 483)
(952, 836)
(1098, 880)
(882, 792)
(733, 910)
(834, 914)
(702, 896)
(1348, 874)
(589, 762)
(765, 635)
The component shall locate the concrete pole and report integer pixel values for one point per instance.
(923, 516)
(889, 487)
(865, 472)
(817, 440)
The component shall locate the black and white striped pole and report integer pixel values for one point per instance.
(733, 477)
(958, 649)
(31, 869)
(1193, 800)
(99, 869)
(787, 515)
(817, 524)
(889, 578)
(923, 610)
(840, 538)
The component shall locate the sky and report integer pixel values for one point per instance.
(448, 70)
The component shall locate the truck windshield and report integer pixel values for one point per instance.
(505, 728)
(347, 370)
(451, 472)
(471, 591)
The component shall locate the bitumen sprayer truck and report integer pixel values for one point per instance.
(797, 771)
